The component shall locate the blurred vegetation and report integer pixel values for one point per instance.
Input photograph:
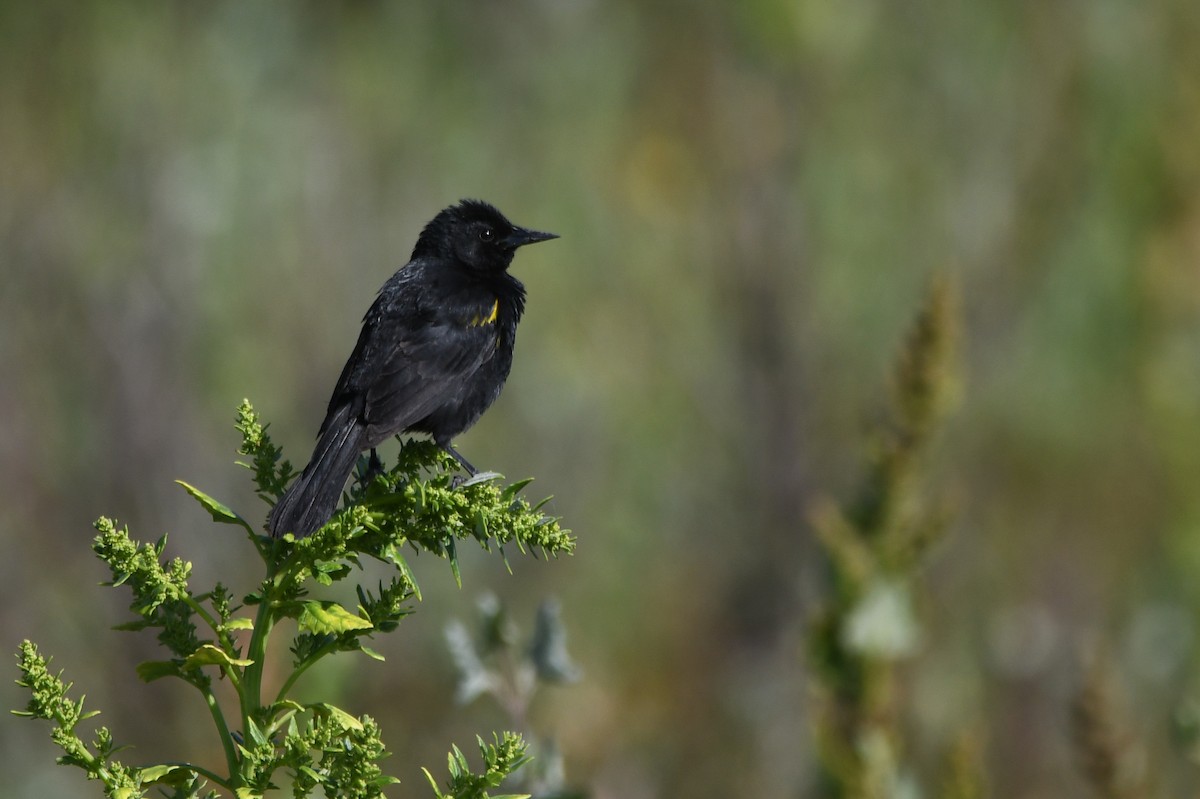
(875, 545)
(198, 201)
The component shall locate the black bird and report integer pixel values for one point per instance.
(435, 349)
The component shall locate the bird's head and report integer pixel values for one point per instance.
(477, 235)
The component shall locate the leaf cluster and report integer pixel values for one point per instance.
(48, 700)
(418, 505)
(500, 759)
(498, 663)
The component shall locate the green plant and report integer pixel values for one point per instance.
(875, 544)
(1110, 757)
(417, 504)
(494, 663)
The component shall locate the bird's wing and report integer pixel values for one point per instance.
(422, 370)
(408, 361)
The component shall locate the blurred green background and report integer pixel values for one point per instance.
(199, 200)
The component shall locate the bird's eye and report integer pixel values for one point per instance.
(486, 234)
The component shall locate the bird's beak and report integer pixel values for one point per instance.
(522, 236)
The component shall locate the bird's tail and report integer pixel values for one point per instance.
(312, 497)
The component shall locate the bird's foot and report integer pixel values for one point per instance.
(463, 462)
(476, 476)
(373, 468)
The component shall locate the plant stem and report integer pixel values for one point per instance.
(199, 610)
(303, 667)
(231, 757)
(251, 693)
(211, 776)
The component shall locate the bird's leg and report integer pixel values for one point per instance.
(373, 469)
(374, 464)
(476, 476)
(471, 470)
(461, 460)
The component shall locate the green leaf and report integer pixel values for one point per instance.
(255, 734)
(342, 717)
(247, 793)
(433, 783)
(219, 511)
(167, 774)
(283, 713)
(482, 477)
(153, 670)
(241, 623)
(481, 528)
(511, 491)
(458, 762)
(452, 553)
(329, 617)
(312, 774)
(209, 655)
(405, 571)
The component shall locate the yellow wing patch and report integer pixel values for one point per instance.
(478, 320)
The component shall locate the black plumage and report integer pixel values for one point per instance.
(435, 349)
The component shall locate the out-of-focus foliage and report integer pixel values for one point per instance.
(493, 663)
(875, 546)
(751, 198)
